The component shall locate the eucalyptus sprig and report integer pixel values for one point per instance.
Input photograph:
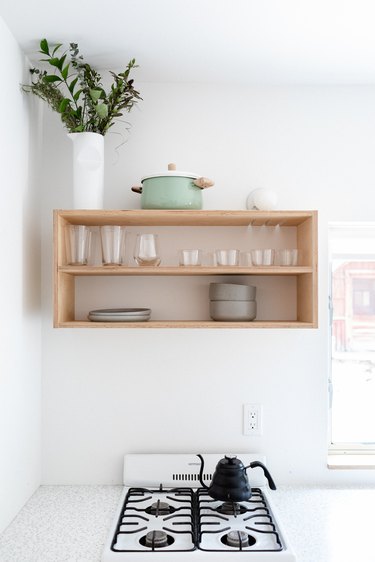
(75, 90)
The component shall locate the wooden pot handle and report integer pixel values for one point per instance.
(203, 182)
(137, 189)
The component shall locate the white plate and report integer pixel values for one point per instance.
(121, 312)
(117, 318)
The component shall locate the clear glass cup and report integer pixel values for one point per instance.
(190, 257)
(146, 251)
(287, 257)
(227, 257)
(245, 259)
(263, 257)
(95, 258)
(77, 244)
(113, 241)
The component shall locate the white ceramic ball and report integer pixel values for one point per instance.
(262, 199)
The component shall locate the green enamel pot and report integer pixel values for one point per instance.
(172, 190)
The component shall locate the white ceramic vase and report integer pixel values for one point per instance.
(88, 170)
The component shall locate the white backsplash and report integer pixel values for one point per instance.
(108, 392)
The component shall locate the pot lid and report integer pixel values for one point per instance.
(172, 172)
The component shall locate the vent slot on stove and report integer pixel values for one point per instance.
(190, 477)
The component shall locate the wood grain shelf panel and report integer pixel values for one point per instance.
(186, 324)
(183, 271)
(185, 218)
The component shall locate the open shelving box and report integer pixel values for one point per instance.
(303, 224)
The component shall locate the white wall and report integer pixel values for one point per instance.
(107, 392)
(20, 326)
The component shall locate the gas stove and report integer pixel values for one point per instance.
(164, 513)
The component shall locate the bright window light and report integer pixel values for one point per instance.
(352, 302)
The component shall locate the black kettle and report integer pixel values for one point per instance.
(230, 481)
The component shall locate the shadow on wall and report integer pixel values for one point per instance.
(31, 219)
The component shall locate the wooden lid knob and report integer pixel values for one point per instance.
(172, 167)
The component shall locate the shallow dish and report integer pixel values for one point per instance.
(121, 311)
(233, 311)
(117, 318)
(232, 292)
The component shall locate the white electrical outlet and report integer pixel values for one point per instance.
(252, 419)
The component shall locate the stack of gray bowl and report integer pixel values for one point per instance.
(232, 302)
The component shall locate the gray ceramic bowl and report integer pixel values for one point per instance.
(231, 292)
(233, 311)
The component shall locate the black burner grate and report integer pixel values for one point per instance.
(136, 515)
(258, 510)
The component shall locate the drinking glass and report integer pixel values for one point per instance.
(146, 250)
(263, 257)
(287, 257)
(227, 257)
(190, 257)
(113, 240)
(77, 241)
(245, 259)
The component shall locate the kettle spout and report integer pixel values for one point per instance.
(201, 473)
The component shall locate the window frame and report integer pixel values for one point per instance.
(345, 454)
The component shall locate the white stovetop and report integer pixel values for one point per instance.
(149, 470)
(70, 524)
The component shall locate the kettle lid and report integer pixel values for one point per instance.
(231, 462)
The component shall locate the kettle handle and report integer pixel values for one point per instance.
(271, 483)
(201, 472)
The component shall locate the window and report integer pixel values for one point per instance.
(363, 296)
(352, 372)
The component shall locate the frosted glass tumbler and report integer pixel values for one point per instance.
(190, 257)
(263, 257)
(77, 241)
(227, 257)
(245, 259)
(146, 251)
(113, 242)
(287, 257)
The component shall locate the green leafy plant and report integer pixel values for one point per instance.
(75, 90)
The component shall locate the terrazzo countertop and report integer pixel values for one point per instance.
(70, 524)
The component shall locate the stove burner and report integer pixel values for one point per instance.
(160, 508)
(231, 508)
(156, 539)
(238, 539)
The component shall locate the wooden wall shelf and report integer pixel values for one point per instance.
(303, 222)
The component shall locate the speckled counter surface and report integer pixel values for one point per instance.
(61, 524)
(70, 524)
